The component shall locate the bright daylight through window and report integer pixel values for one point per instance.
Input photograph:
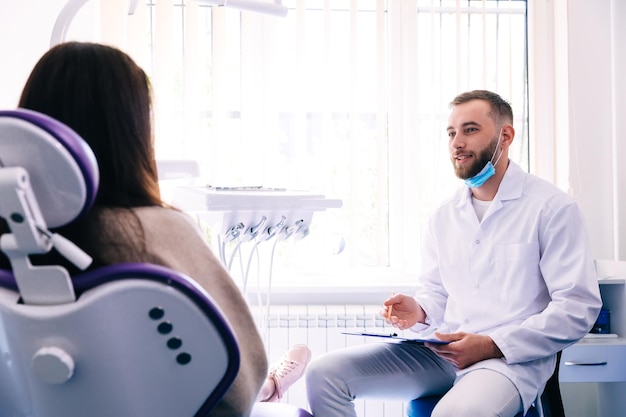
(343, 98)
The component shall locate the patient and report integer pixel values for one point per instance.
(105, 97)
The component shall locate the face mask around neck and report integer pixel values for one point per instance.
(488, 170)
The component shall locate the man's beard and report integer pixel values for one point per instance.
(479, 163)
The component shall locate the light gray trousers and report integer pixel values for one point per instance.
(403, 372)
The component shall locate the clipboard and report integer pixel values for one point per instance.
(395, 337)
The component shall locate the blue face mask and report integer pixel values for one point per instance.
(479, 179)
(488, 170)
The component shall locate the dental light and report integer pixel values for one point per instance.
(71, 8)
(68, 13)
(274, 8)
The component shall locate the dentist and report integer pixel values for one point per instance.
(506, 279)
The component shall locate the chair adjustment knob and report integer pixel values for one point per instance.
(52, 365)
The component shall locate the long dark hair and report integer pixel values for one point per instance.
(101, 93)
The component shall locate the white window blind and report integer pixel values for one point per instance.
(348, 98)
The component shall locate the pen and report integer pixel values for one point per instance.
(390, 308)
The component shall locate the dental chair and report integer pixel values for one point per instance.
(128, 340)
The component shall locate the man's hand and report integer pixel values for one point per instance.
(465, 349)
(402, 311)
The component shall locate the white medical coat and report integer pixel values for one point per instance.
(524, 276)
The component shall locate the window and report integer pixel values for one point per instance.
(348, 98)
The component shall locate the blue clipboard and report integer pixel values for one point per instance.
(395, 337)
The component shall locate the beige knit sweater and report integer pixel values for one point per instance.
(170, 238)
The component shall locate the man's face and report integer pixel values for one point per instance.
(472, 136)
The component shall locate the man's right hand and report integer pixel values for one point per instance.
(402, 311)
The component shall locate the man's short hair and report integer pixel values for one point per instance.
(501, 111)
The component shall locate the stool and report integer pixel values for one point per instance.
(551, 402)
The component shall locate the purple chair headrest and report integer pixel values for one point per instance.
(62, 168)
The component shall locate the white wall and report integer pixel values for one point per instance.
(578, 76)
(618, 14)
(597, 91)
(25, 33)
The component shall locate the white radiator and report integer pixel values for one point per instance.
(320, 327)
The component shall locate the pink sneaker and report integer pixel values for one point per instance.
(289, 369)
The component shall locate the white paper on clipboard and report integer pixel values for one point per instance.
(395, 337)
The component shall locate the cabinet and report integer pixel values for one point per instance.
(602, 360)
